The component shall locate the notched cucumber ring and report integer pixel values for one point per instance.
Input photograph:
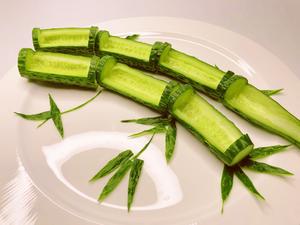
(238, 150)
(159, 49)
(164, 100)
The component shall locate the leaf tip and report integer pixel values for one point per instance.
(92, 180)
(126, 121)
(168, 159)
(133, 136)
(128, 207)
(259, 196)
(288, 173)
(50, 97)
(222, 207)
(101, 198)
(62, 135)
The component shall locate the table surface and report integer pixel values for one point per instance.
(273, 24)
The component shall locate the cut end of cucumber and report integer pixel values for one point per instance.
(101, 40)
(179, 96)
(241, 155)
(23, 53)
(106, 64)
(239, 150)
(35, 37)
(233, 86)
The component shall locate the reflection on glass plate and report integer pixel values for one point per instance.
(18, 200)
(166, 183)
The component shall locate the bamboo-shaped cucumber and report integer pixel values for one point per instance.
(232, 90)
(223, 138)
(58, 67)
(79, 41)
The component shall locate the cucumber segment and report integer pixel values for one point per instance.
(190, 70)
(127, 51)
(59, 68)
(205, 119)
(131, 82)
(209, 125)
(79, 41)
(262, 110)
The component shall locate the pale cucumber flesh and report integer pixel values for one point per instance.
(74, 37)
(192, 68)
(206, 120)
(60, 64)
(242, 154)
(130, 48)
(134, 83)
(265, 111)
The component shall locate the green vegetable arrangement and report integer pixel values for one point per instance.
(232, 90)
(174, 101)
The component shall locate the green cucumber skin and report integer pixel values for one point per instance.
(243, 142)
(157, 50)
(263, 125)
(89, 82)
(74, 50)
(164, 100)
(226, 81)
